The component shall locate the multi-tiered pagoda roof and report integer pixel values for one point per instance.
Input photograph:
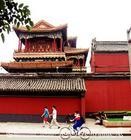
(46, 48)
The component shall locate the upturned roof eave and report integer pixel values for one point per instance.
(110, 51)
(24, 30)
(76, 51)
(35, 65)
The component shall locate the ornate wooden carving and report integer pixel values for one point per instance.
(39, 46)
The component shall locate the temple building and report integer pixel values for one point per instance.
(48, 69)
(45, 72)
(46, 48)
(109, 56)
(109, 83)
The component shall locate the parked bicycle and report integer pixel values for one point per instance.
(68, 131)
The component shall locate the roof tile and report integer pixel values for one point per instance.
(42, 85)
(110, 46)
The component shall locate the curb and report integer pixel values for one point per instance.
(47, 134)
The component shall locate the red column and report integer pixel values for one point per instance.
(54, 45)
(19, 45)
(83, 106)
(26, 44)
(61, 44)
(83, 62)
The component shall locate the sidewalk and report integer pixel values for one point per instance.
(19, 128)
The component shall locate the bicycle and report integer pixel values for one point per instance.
(68, 131)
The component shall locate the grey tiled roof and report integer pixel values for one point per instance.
(110, 46)
(42, 85)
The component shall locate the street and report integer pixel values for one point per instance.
(35, 131)
(16, 137)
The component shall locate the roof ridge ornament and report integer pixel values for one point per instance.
(93, 44)
(43, 24)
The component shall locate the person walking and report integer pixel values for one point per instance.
(45, 116)
(54, 117)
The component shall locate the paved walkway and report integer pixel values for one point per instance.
(19, 128)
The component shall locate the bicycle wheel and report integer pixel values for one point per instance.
(65, 133)
(84, 133)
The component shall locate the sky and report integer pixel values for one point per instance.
(86, 19)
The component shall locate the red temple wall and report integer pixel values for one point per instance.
(109, 62)
(35, 105)
(108, 95)
(101, 95)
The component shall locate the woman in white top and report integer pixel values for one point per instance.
(54, 117)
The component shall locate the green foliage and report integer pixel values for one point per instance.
(115, 119)
(13, 13)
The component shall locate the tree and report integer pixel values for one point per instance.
(13, 13)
